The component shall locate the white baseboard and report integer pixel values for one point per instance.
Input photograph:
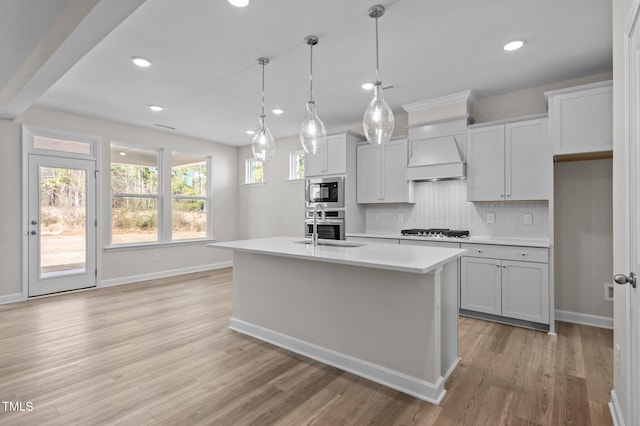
(163, 274)
(616, 412)
(418, 388)
(11, 298)
(584, 319)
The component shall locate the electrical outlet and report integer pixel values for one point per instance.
(528, 219)
(400, 217)
(376, 216)
(156, 257)
(608, 292)
(491, 218)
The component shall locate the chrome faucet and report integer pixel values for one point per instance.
(314, 236)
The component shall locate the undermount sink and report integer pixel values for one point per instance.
(334, 243)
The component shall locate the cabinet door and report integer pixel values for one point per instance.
(480, 285)
(528, 161)
(525, 291)
(315, 164)
(336, 155)
(485, 164)
(368, 173)
(395, 188)
(581, 121)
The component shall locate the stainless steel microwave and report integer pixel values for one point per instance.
(327, 192)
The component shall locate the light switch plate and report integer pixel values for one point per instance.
(400, 217)
(528, 219)
(491, 218)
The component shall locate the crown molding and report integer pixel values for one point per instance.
(467, 96)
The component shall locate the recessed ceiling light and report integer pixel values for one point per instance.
(155, 108)
(239, 3)
(124, 154)
(277, 111)
(141, 62)
(514, 45)
(250, 132)
(367, 86)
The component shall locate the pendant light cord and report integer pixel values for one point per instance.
(377, 60)
(263, 89)
(311, 74)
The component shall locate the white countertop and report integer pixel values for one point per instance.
(471, 240)
(404, 258)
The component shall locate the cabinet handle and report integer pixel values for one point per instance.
(523, 254)
(497, 265)
(501, 195)
(479, 251)
(508, 195)
(504, 266)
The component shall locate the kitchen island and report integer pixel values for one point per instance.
(386, 313)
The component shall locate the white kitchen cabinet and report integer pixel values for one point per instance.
(481, 285)
(380, 173)
(525, 291)
(509, 282)
(580, 118)
(509, 162)
(330, 162)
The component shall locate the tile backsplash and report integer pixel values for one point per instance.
(444, 205)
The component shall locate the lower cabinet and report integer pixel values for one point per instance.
(493, 282)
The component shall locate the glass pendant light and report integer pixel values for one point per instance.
(313, 134)
(263, 145)
(378, 117)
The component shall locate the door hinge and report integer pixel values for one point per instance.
(96, 272)
(96, 223)
(95, 173)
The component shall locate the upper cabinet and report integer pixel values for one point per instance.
(509, 161)
(380, 173)
(580, 118)
(333, 161)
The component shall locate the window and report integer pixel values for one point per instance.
(158, 196)
(189, 197)
(253, 171)
(296, 165)
(134, 195)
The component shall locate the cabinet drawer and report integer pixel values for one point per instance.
(527, 254)
(373, 240)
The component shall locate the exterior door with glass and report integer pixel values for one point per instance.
(62, 224)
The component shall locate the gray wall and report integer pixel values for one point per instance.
(583, 236)
(122, 265)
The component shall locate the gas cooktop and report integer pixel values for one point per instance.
(435, 233)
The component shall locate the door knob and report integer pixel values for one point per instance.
(623, 279)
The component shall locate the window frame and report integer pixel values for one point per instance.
(158, 197)
(293, 164)
(165, 199)
(248, 172)
(208, 199)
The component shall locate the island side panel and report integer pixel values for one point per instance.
(449, 314)
(387, 318)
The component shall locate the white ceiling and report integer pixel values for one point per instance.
(204, 57)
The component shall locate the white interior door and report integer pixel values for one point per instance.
(632, 124)
(62, 224)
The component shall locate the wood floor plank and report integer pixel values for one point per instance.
(161, 352)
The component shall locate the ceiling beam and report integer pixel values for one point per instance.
(79, 27)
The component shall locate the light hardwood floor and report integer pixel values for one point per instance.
(161, 353)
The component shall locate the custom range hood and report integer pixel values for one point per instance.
(437, 151)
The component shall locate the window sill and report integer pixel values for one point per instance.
(255, 184)
(124, 247)
(295, 180)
